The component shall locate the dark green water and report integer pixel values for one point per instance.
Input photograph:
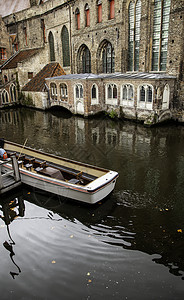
(130, 246)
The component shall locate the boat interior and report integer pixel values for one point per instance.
(51, 169)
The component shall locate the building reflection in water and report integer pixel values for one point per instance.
(10, 211)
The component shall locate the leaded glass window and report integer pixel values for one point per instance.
(65, 47)
(134, 17)
(160, 34)
(108, 58)
(93, 91)
(51, 46)
(86, 61)
(53, 93)
(63, 91)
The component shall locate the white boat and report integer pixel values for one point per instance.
(61, 176)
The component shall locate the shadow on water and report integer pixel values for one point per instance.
(114, 222)
(11, 209)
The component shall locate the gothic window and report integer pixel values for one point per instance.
(63, 92)
(111, 91)
(111, 9)
(79, 91)
(108, 58)
(94, 94)
(146, 93)
(4, 97)
(86, 61)
(87, 13)
(51, 46)
(77, 16)
(160, 34)
(99, 11)
(13, 93)
(134, 18)
(53, 91)
(127, 92)
(65, 46)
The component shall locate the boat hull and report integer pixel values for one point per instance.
(91, 193)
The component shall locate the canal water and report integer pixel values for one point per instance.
(130, 246)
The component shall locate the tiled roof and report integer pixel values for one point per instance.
(18, 57)
(37, 83)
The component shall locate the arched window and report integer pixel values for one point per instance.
(127, 94)
(160, 34)
(108, 58)
(111, 9)
(5, 98)
(134, 17)
(53, 91)
(111, 94)
(99, 11)
(63, 92)
(145, 96)
(13, 94)
(77, 16)
(84, 60)
(87, 14)
(65, 46)
(79, 91)
(51, 46)
(94, 94)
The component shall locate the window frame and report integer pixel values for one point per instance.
(99, 11)
(111, 88)
(94, 100)
(77, 18)
(127, 101)
(53, 91)
(160, 36)
(87, 15)
(63, 88)
(145, 104)
(111, 9)
(134, 27)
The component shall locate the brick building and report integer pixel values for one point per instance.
(109, 37)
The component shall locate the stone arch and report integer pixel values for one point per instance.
(83, 59)
(105, 57)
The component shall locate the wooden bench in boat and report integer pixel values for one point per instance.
(42, 165)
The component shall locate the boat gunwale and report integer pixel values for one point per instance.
(67, 185)
(57, 157)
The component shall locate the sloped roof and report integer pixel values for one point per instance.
(9, 7)
(37, 83)
(18, 57)
(118, 75)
